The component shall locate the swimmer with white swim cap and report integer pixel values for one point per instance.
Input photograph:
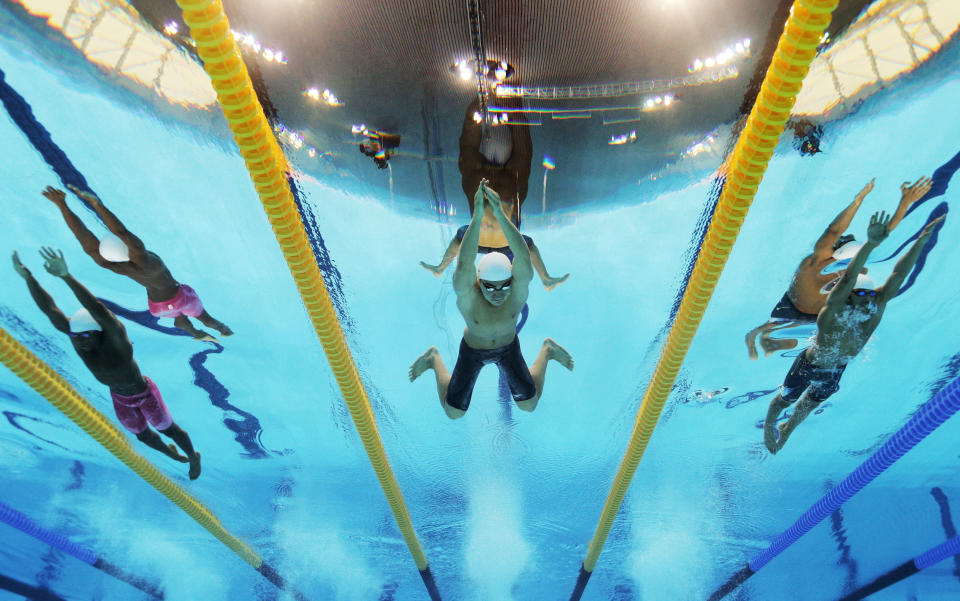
(852, 312)
(101, 341)
(122, 252)
(490, 299)
(808, 290)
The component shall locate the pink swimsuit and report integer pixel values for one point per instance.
(184, 302)
(134, 411)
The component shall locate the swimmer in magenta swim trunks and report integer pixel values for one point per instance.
(809, 288)
(852, 312)
(490, 298)
(101, 341)
(123, 253)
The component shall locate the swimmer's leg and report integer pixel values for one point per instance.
(538, 371)
(777, 405)
(804, 406)
(431, 359)
(182, 439)
(153, 440)
(206, 319)
(181, 322)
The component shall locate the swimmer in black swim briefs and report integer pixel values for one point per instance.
(508, 359)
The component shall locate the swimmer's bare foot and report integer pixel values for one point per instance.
(175, 454)
(434, 269)
(770, 439)
(204, 337)
(782, 435)
(772, 345)
(558, 353)
(195, 466)
(551, 283)
(424, 362)
(751, 347)
(224, 329)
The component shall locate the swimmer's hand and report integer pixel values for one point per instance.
(54, 263)
(879, 227)
(19, 268)
(85, 194)
(54, 195)
(866, 190)
(549, 283)
(911, 194)
(493, 199)
(479, 199)
(436, 270)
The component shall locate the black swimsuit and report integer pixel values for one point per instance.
(821, 382)
(470, 361)
(787, 311)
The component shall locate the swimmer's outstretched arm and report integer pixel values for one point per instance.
(549, 282)
(464, 276)
(522, 268)
(452, 250)
(56, 265)
(42, 297)
(909, 195)
(891, 287)
(824, 247)
(877, 232)
(89, 242)
(138, 253)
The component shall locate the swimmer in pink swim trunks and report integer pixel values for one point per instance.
(101, 341)
(124, 253)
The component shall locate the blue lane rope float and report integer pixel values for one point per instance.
(20, 521)
(933, 413)
(935, 555)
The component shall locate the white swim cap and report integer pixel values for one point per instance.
(113, 249)
(82, 321)
(494, 267)
(847, 251)
(863, 282)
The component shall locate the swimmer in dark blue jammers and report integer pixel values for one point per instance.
(490, 299)
(101, 341)
(844, 325)
(122, 252)
(810, 285)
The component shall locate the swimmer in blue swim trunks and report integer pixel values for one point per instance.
(849, 317)
(490, 299)
(808, 289)
(501, 158)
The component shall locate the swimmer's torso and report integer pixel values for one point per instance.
(490, 327)
(152, 275)
(806, 288)
(841, 338)
(112, 364)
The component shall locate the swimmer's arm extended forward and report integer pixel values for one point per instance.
(910, 194)
(823, 249)
(465, 276)
(56, 265)
(138, 252)
(891, 287)
(522, 268)
(877, 232)
(89, 242)
(42, 297)
(453, 249)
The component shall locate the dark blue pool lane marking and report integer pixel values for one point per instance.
(247, 430)
(28, 592)
(22, 115)
(947, 520)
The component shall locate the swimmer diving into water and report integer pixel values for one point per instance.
(490, 299)
(101, 341)
(849, 317)
(502, 158)
(123, 253)
(805, 297)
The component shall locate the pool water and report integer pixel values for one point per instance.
(504, 502)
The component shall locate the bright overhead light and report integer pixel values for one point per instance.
(709, 62)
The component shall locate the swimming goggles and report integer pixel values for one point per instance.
(81, 334)
(492, 288)
(862, 292)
